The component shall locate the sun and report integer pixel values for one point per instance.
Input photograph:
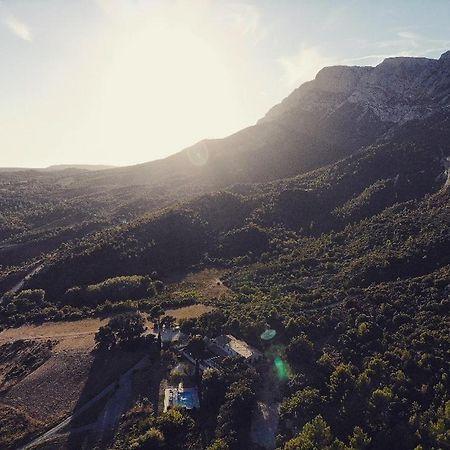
(161, 88)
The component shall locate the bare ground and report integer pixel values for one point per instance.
(207, 282)
(74, 332)
(63, 380)
(188, 312)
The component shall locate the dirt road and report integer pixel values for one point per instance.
(110, 416)
(18, 286)
(266, 415)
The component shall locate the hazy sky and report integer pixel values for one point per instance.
(128, 81)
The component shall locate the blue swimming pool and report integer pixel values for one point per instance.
(187, 399)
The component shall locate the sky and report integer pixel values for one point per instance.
(127, 81)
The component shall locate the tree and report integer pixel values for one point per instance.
(105, 338)
(188, 326)
(298, 409)
(213, 390)
(196, 347)
(168, 321)
(233, 421)
(155, 314)
(124, 329)
(342, 381)
(359, 440)
(152, 439)
(176, 426)
(219, 444)
(315, 435)
(35, 295)
(300, 350)
(179, 373)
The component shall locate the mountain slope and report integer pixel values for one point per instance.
(331, 221)
(407, 167)
(340, 149)
(324, 120)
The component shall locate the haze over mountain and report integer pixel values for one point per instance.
(57, 167)
(329, 221)
(324, 120)
(378, 114)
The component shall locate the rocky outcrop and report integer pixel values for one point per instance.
(396, 90)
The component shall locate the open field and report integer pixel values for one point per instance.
(208, 283)
(188, 312)
(61, 382)
(70, 335)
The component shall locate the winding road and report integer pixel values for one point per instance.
(109, 418)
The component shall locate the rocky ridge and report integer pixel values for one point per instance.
(396, 90)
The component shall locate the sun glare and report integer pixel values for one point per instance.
(162, 87)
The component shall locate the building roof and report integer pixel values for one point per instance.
(240, 347)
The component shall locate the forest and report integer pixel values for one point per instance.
(346, 260)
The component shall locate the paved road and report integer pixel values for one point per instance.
(109, 417)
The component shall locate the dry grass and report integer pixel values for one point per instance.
(70, 376)
(78, 335)
(15, 426)
(52, 391)
(20, 358)
(188, 312)
(207, 282)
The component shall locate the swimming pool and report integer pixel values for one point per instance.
(188, 399)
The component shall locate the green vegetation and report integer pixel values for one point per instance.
(348, 263)
(122, 330)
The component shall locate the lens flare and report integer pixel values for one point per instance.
(281, 368)
(268, 335)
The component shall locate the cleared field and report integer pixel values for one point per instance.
(77, 335)
(52, 390)
(70, 376)
(188, 312)
(207, 282)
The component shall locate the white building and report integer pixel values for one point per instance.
(232, 346)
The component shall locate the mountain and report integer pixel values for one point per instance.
(339, 149)
(408, 166)
(324, 120)
(58, 167)
(78, 167)
(329, 222)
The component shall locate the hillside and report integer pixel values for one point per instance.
(329, 222)
(342, 111)
(407, 167)
(324, 120)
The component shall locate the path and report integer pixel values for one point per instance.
(266, 414)
(18, 286)
(118, 403)
(109, 419)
